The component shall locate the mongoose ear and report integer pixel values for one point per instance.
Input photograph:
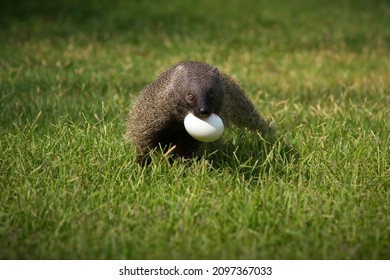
(179, 71)
(179, 68)
(215, 71)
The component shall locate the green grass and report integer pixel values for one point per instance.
(69, 184)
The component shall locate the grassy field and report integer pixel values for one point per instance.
(69, 184)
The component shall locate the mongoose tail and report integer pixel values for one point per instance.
(240, 111)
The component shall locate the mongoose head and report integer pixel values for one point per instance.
(199, 89)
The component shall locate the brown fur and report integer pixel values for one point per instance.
(157, 116)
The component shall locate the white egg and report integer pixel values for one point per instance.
(207, 129)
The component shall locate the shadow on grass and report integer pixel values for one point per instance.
(252, 156)
(246, 155)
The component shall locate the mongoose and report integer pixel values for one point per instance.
(156, 118)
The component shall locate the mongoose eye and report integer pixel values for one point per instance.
(190, 97)
(211, 95)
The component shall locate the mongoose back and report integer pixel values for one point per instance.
(156, 118)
